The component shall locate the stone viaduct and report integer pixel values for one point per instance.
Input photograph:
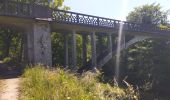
(37, 22)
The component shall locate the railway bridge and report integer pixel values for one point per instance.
(37, 22)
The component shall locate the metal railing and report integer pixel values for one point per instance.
(25, 10)
(21, 9)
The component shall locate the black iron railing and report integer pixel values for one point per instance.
(77, 18)
(25, 10)
(12, 8)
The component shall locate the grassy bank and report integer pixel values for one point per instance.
(43, 84)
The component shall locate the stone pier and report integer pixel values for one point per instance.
(93, 48)
(109, 39)
(84, 44)
(66, 63)
(38, 43)
(73, 50)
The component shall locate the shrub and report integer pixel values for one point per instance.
(7, 60)
(44, 84)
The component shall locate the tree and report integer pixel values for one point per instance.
(148, 61)
(11, 46)
(148, 14)
(51, 3)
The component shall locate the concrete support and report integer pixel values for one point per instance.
(123, 42)
(110, 52)
(38, 43)
(109, 39)
(26, 49)
(73, 51)
(93, 48)
(100, 44)
(65, 50)
(28, 45)
(84, 44)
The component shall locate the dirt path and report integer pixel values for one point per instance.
(10, 89)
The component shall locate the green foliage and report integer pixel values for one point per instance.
(164, 27)
(148, 14)
(55, 4)
(10, 44)
(148, 61)
(7, 60)
(43, 84)
(79, 49)
(101, 43)
(57, 48)
(148, 65)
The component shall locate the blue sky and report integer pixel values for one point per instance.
(115, 9)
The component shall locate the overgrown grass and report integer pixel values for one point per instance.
(43, 84)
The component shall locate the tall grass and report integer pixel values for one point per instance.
(43, 84)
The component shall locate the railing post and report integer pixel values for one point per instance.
(77, 16)
(128, 26)
(109, 39)
(98, 21)
(73, 50)
(5, 7)
(84, 44)
(114, 24)
(18, 8)
(93, 47)
(33, 10)
(66, 50)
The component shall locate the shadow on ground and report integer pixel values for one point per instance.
(8, 71)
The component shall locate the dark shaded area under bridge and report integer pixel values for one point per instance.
(38, 21)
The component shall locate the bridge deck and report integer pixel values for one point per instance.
(61, 19)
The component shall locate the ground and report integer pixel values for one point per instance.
(9, 82)
(10, 89)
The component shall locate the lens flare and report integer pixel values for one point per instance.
(119, 42)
